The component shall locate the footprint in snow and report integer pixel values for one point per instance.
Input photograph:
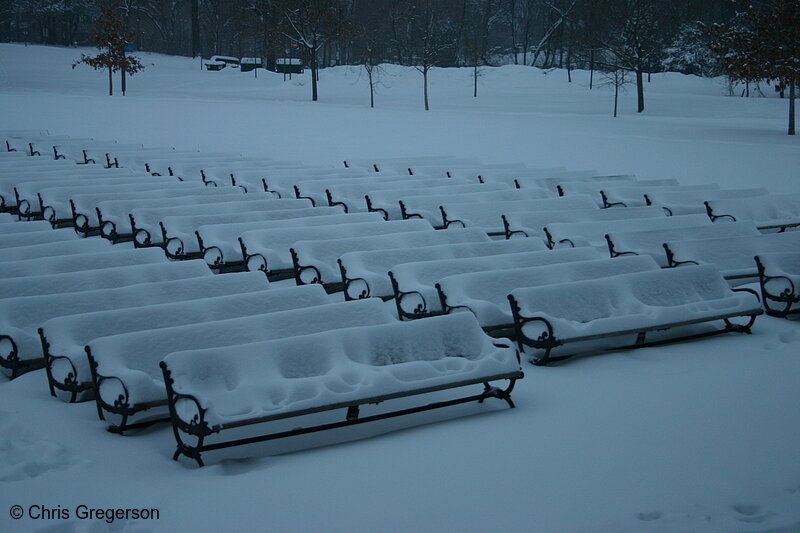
(649, 517)
(750, 513)
(23, 455)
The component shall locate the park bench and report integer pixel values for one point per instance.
(87, 217)
(137, 159)
(489, 215)
(428, 207)
(315, 190)
(63, 338)
(485, 293)
(401, 164)
(77, 151)
(162, 166)
(414, 283)
(270, 250)
(220, 247)
(508, 176)
(6, 217)
(343, 371)
(472, 173)
(10, 241)
(316, 261)
(691, 202)
(365, 274)
(351, 196)
(577, 233)
(191, 169)
(22, 143)
(385, 201)
(148, 230)
(60, 264)
(247, 176)
(98, 154)
(733, 256)
(27, 227)
(769, 212)
(779, 278)
(552, 181)
(651, 242)
(30, 199)
(125, 371)
(39, 178)
(13, 134)
(64, 247)
(115, 211)
(101, 278)
(110, 155)
(634, 195)
(44, 146)
(593, 188)
(281, 182)
(628, 305)
(531, 224)
(20, 346)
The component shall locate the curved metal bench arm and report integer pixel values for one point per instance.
(316, 275)
(372, 209)
(788, 296)
(613, 252)
(713, 217)
(348, 282)
(671, 262)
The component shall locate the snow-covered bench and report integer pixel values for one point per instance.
(79, 152)
(401, 164)
(593, 188)
(352, 196)
(125, 371)
(733, 256)
(114, 214)
(20, 345)
(67, 247)
(269, 250)
(633, 195)
(691, 202)
(485, 294)
(27, 227)
(44, 146)
(528, 224)
(137, 159)
(98, 154)
(163, 166)
(281, 183)
(179, 237)
(24, 143)
(338, 370)
(651, 242)
(100, 278)
(221, 249)
(148, 230)
(488, 216)
(63, 338)
(575, 233)
(386, 201)
(414, 283)
(628, 305)
(194, 169)
(769, 212)
(34, 181)
(60, 264)
(33, 197)
(28, 238)
(779, 277)
(366, 274)
(315, 190)
(428, 207)
(315, 261)
(88, 218)
(552, 182)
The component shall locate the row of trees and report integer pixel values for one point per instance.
(621, 38)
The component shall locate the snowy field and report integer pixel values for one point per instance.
(693, 437)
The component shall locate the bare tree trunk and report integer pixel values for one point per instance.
(425, 87)
(640, 90)
(371, 89)
(475, 79)
(616, 93)
(314, 67)
(591, 68)
(195, 28)
(122, 76)
(513, 9)
(792, 90)
(110, 83)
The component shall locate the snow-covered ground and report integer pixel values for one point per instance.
(701, 436)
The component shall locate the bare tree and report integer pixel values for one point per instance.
(431, 32)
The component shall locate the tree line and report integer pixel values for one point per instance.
(627, 40)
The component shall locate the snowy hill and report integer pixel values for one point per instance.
(701, 436)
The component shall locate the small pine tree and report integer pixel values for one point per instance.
(111, 38)
(764, 45)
